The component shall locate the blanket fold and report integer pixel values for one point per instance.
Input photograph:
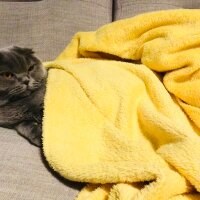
(129, 130)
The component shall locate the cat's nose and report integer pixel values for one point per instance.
(25, 80)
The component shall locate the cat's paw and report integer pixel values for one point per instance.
(32, 131)
(36, 135)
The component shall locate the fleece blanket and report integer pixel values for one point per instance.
(122, 109)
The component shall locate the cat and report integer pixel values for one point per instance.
(22, 90)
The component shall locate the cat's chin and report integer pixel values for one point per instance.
(32, 89)
(24, 94)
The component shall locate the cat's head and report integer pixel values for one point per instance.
(21, 72)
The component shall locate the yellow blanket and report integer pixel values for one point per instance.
(127, 129)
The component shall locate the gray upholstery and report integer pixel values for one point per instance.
(129, 8)
(47, 26)
(24, 174)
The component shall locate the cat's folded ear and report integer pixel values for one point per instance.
(21, 50)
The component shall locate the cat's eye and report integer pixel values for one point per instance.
(31, 68)
(7, 75)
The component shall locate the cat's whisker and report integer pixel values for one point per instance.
(35, 85)
(16, 90)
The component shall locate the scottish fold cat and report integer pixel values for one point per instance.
(22, 89)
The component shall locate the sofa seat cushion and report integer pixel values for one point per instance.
(25, 175)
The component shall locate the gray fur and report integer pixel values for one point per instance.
(22, 89)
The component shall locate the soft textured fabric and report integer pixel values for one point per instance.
(114, 124)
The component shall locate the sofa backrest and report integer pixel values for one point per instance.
(48, 25)
(129, 8)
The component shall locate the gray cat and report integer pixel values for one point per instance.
(22, 89)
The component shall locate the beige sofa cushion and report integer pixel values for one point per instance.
(25, 175)
(129, 8)
(48, 25)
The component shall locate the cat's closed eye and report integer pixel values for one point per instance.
(7, 75)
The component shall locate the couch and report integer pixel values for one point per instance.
(47, 26)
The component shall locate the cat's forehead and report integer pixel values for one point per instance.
(12, 61)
